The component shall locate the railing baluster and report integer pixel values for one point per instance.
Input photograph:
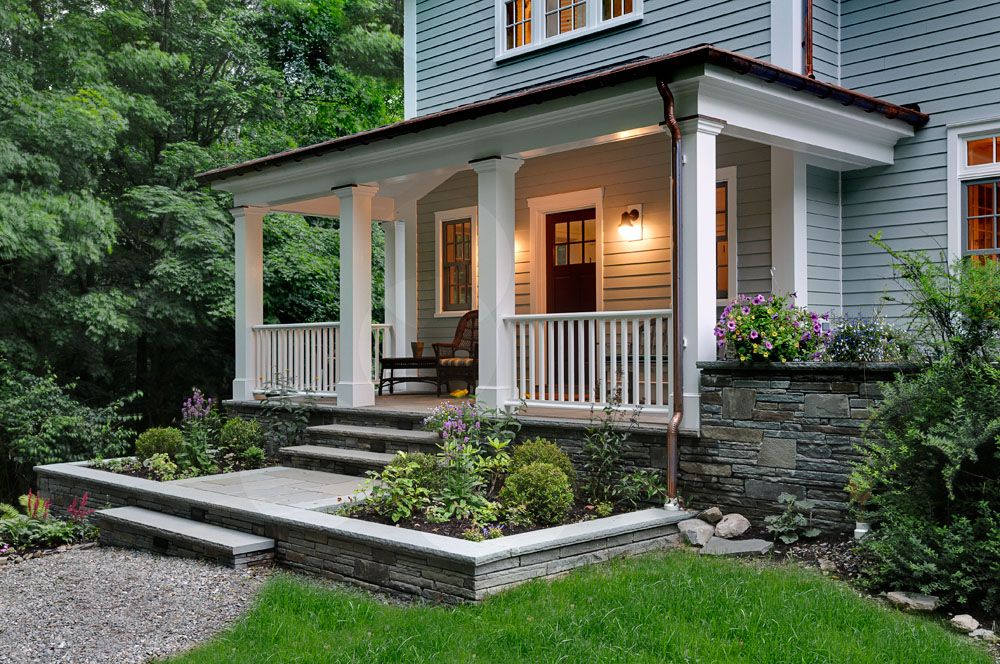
(659, 361)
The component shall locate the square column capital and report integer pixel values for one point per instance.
(497, 165)
(701, 124)
(356, 191)
(248, 213)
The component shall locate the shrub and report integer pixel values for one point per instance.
(161, 468)
(604, 453)
(866, 340)
(41, 423)
(252, 458)
(642, 486)
(238, 435)
(544, 451)
(543, 490)
(159, 440)
(770, 329)
(402, 489)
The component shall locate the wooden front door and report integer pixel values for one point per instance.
(571, 262)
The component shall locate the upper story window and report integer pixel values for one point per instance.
(525, 25)
(974, 190)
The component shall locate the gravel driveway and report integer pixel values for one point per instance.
(115, 605)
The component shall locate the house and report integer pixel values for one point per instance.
(552, 148)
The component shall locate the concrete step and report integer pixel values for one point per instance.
(138, 528)
(373, 439)
(334, 459)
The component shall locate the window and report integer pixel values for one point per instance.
(980, 226)
(974, 190)
(456, 264)
(725, 234)
(524, 25)
(574, 237)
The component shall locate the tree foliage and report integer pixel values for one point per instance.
(116, 269)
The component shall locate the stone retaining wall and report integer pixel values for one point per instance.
(373, 555)
(769, 429)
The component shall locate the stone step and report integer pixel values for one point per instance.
(138, 528)
(373, 439)
(334, 459)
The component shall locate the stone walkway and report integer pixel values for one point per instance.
(306, 489)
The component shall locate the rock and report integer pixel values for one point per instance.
(718, 546)
(732, 525)
(965, 623)
(983, 635)
(827, 566)
(913, 601)
(696, 531)
(712, 515)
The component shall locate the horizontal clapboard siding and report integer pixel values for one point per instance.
(823, 240)
(826, 40)
(455, 45)
(636, 274)
(946, 57)
(753, 211)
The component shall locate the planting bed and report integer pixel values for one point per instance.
(374, 555)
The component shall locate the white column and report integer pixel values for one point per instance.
(396, 304)
(354, 353)
(789, 225)
(496, 279)
(698, 261)
(249, 231)
(787, 19)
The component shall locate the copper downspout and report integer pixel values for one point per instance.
(808, 40)
(673, 429)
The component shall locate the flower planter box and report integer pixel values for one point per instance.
(769, 428)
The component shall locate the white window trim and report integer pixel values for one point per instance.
(439, 218)
(728, 175)
(538, 38)
(959, 172)
(540, 206)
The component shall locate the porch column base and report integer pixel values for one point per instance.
(494, 398)
(355, 395)
(243, 389)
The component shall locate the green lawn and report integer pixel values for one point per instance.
(676, 607)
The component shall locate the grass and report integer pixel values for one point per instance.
(674, 607)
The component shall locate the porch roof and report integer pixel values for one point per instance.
(650, 67)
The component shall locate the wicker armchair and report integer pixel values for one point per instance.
(459, 359)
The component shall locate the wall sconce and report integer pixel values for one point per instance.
(630, 226)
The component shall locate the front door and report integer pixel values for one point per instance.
(571, 262)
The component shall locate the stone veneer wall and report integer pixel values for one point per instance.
(768, 429)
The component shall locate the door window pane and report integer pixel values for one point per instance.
(456, 266)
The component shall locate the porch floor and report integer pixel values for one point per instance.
(422, 403)
(279, 485)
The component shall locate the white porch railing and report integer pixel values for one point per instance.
(583, 359)
(302, 357)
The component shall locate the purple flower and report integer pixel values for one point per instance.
(768, 345)
(759, 299)
(807, 337)
(817, 327)
(745, 310)
(196, 406)
(731, 325)
(754, 334)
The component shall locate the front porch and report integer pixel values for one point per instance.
(551, 215)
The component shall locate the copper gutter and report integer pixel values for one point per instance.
(808, 40)
(673, 429)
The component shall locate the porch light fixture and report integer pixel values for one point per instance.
(630, 227)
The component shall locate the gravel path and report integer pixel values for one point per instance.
(114, 605)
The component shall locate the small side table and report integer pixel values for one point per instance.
(393, 364)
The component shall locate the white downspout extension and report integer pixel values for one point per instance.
(249, 235)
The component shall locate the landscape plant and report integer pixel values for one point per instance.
(931, 460)
(542, 490)
(770, 328)
(794, 520)
(35, 527)
(543, 451)
(863, 340)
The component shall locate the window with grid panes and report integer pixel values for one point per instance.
(517, 22)
(532, 23)
(456, 265)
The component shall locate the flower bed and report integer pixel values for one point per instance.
(34, 529)
(481, 486)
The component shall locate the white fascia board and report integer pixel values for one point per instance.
(775, 115)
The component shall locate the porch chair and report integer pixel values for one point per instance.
(459, 359)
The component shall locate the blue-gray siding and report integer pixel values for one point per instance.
(455, 45)
(823, 217)
(946, 57)
(826, 40)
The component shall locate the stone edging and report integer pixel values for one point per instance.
(373, 554)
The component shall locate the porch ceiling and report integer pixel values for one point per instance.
(757, 101)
